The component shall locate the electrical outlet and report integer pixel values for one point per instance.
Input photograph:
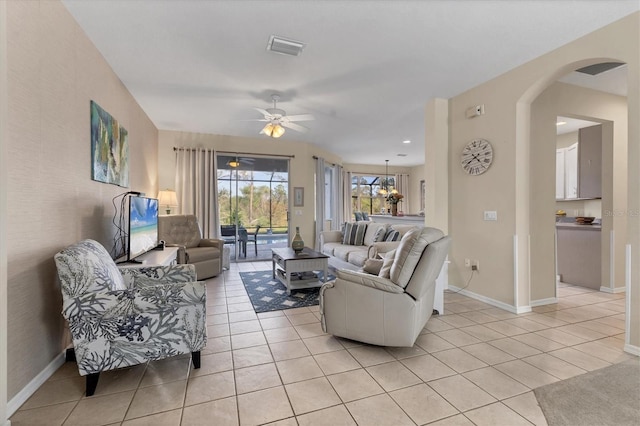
(475, 265)
(467, 263)
(474, 268)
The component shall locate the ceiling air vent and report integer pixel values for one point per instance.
(285, 46)
(596, 69)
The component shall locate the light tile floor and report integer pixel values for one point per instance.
(476, 364)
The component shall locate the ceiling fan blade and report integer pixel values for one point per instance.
(294, 126)
(300, 117)
(263, 112)
(255, 119)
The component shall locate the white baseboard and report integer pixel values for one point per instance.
(492, 302)
(26, 392)
(542, 302)
(631, 349)
(612, 290)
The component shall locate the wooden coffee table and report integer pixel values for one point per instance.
(296, 270)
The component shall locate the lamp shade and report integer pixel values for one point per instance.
(167, 198)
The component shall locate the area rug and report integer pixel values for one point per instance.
(269, 294)
(609, 396)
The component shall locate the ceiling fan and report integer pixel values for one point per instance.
(235, 162)
(277, 119)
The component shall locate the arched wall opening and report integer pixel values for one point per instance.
(545, 101)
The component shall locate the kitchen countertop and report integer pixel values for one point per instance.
(577, 226)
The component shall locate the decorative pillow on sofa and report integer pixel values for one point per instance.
(354, 233)
(392, 235)
(358, 216)
(373, 266)
(380, 233)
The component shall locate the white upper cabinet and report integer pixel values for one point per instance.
(571, 181)
(560, 174)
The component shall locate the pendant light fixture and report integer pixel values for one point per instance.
(384, 187)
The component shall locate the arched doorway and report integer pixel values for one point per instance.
(544, 102)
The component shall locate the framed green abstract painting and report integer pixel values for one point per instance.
(109, 148)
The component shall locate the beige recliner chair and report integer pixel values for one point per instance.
(184, 231)
(387, 311)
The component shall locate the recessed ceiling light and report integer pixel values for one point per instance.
(407, 141)
(561, 123)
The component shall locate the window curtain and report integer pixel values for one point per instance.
(346, 198)
(338, 205)
(197, 187)
(320, 199)
(402, 185)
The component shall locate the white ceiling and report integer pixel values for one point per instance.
(572, 125)
(367, 71)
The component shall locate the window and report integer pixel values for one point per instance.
(365, 193)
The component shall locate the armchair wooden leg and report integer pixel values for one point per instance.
(195, 357)
(92, 383)
(70, 355)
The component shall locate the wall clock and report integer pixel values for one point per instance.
(477, 157)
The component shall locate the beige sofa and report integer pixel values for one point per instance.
(347, 256)
(387, 311)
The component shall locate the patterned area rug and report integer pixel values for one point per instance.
(269, 294)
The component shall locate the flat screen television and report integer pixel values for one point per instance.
(143, 226)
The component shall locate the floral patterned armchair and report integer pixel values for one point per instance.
(120, 317)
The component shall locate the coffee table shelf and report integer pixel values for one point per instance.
(287, 265)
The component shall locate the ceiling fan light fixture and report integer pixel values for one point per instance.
(278, 131)
(273, 130)
(233, 163)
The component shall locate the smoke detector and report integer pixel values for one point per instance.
(285, 46)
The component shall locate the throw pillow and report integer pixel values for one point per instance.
(358, 216)
(392, 235)
(365, 216)
(387, 261)
(354, 234)
(380, 233)
(373, 266)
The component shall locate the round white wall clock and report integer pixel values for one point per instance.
(477, 156)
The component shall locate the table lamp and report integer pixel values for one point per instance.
(167, 197)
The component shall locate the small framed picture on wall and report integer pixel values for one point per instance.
(298, 196)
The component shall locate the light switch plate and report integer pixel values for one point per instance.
(491, 215)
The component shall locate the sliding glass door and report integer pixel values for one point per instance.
(253, 198)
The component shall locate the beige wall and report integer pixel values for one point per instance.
(301, 173)
(53, 73)
(510, 186)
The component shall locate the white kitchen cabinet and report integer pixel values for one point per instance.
(560, 174)
(571, 172)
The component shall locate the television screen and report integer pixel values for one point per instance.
(143, 225)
